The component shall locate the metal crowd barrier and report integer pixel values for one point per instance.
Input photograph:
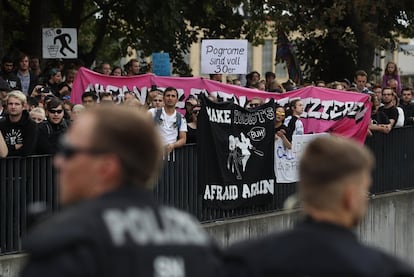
(32, 179)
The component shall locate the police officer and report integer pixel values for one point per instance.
(110, 225)
(334, 184)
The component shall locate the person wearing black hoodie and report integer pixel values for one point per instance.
(19, 131)
(51, 130)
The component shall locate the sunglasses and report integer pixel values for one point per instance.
(68, 151)
(280, 113)
(55, 111)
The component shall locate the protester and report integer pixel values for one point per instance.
(110, 224)
(76, 111)
(52, 129)
(280, 127)
(38, 114)
(152, 93)
(361, 79)
(407, 105)
(379, 120)
(158, 101)
(389, 107)
(116, 71)
(27, 78)
(335, 177)
(253, 103)
(8, 75)
(293, 123)
(391, 72)
(89, 99)
(172, 124)
(192, 123)
(19, 131)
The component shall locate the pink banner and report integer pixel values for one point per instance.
(326, 110)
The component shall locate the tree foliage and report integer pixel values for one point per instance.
(107, 27)
(338, 37)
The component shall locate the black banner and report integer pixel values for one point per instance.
(236, 154)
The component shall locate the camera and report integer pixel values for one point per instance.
(43, 90)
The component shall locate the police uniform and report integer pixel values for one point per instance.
(122, 233)
(311, 249)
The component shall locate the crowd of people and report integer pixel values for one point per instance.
(111, 226)
(36, 107)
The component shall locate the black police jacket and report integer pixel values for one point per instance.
(123, 233)
(311, 249)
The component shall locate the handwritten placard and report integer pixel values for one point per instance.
(224, 56)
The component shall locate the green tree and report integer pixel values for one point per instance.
(107, 27)
(337, 37)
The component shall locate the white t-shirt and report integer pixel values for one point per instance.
(168, 126)
(299, 129)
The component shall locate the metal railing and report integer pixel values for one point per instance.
(32, 179)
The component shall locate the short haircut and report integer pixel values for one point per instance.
(89, 94)
(54, 103)
(170, 89)
(22, 56)
(407, 89)
(326, 162)
(292, 104)
(270, 74)
(17, 94)
(7, 59)
(361, 73)
(386, 88)
(139, 149)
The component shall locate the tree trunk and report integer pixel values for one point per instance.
(39, 17)
(2, 14)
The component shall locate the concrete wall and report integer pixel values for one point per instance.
(11, 264)
(388, 224)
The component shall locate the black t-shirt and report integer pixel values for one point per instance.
(380, 118)
(191, 135)
(391, 113)
(408, 113)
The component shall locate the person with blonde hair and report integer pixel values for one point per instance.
(38, 114)
(19, 131)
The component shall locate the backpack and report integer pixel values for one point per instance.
(158, 120)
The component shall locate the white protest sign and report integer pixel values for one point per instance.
(287, 160)
(223, 56)
(59, 43)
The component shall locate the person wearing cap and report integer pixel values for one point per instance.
(334, 194)
(110, 224)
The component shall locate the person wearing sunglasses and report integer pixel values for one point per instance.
(52, 129)
(110, 224)
(19, 131)
(280, 128)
